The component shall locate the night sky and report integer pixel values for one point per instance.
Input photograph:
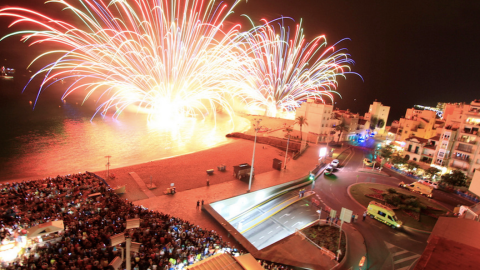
(407, 52)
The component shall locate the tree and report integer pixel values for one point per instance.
(301, 120)
(430, 172)
(341, 127)
(288, 130)
(386, 152)
(455, 178)
(411, 165)
(380, 123)
(398, 160)
(373, 122)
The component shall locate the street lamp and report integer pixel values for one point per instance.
(319, 215)
(129, 245)
(257, 128)
(286, 152)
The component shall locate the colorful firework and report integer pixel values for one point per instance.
(285, 70)
(168, 60)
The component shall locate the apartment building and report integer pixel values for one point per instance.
(351, 121)
(421, 150)
(320, 121)
(465, 153)
(418, 123)
(379, 112)
(451, 143)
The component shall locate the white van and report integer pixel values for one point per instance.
(418, 187)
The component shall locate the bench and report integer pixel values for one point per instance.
(222, 168)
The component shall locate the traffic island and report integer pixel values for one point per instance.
(327, 238)
(414, 210)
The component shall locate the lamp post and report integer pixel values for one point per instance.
(257, 128)
(129, 245)
(286, 152)
(108, 166)
(319, 215)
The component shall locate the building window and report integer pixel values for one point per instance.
(416, 150)
(441, 154)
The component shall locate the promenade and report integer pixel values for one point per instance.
(292, 250)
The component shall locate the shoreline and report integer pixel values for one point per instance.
(40, 176)
(267, 121)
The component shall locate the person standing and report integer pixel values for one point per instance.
(198, 204)
(202, 202)
(364, 215)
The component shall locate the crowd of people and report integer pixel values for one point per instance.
(92, 213)
(273, 266)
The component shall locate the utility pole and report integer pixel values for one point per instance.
(257, 128)
(286, 152)
(108, 166)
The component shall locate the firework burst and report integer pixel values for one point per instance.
(285, 70)
(168, 60)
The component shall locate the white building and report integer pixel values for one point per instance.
(319, 119)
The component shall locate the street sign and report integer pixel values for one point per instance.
(333, 213)
(346, 215)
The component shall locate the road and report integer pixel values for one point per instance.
(387, 248)
(275, 219)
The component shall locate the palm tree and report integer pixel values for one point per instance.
(341, 127)
(288, 130)
(373, 123)
(301, 120)
(380, 123)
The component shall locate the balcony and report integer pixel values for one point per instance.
(473, 111)
(465, 159)
(426, 160)
(427, 155)
(469, 141)
(469, 131)
(430, 146)
(464, 150)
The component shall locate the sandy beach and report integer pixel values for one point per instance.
(189, 171)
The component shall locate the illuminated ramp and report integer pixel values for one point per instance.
(267, 216)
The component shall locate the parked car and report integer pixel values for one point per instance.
(367, 162)
(429, 183)
(334, 163)
(328, 170)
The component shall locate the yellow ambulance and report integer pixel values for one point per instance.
(383, 214)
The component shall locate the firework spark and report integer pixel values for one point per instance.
(168, 60)
(286, 70)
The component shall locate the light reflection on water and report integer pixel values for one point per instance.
(72, 143)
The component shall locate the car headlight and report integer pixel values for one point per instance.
(398, 225)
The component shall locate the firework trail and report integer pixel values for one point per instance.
(166, 57)
(285, 70)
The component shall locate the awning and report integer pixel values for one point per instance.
(247, 261)
(46, 228)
